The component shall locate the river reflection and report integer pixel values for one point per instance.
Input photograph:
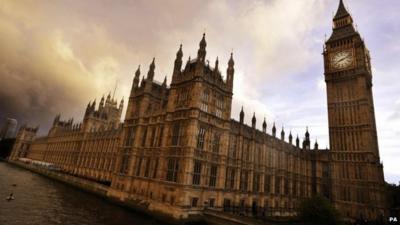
(41, 201)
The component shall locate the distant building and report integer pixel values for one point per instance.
(179, 151)
(9, 129)
(6, 146)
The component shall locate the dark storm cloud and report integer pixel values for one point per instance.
(57, 55)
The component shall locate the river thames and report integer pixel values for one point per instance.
(41, 201)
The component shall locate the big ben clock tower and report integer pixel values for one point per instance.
(357, 174)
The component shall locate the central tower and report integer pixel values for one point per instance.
(357, 174)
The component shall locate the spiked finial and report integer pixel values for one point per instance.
(253, 120)
(316, 144)
(179, 54)
(187, 64)
(274, 130)
(264, 125)
(241, 116)
(307, 133)
(102, 102)
(203, 43)
(137, 73)
(137, 78)
(150, 74)
(230, 71)
(201, 53)
(231, 63)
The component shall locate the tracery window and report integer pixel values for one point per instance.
(219, 106)
(197, 172)
(230, 178)
(201, 137)
(124, 162)
(144, 137)
(215, 143)
(138, 166)
(232, 147)
(256, 182)
(244, 181)
(204, 100)
(267, 184)
(160, 136)
(277, 185)
(147, 168)
(213, 176)
(152, 137)
(175, 133)
(155, 168)
(172, 169)
(130, 136)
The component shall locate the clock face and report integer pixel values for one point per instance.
(343, 59)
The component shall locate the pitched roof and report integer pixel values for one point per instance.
(341, 12)
(343, 32)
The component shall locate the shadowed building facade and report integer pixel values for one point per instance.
(357, 173)
(88, 149)
(178, 150)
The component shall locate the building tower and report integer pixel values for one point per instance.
(357, 174)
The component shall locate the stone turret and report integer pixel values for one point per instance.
(253, 121)
(178, 64)
(101, 105)
(150, 74)
(316, 145)
(201, 53)
(274, 130)
(230, 72)
(264, 126)
(136, 79)
(241, 115)
(121, 105)
(306, 142)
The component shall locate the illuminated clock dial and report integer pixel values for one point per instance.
(341, 60)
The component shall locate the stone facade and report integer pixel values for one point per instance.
(179, 151)
(88, 149)
(25, 138)
(357, 173)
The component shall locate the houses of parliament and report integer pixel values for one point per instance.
(179, 151)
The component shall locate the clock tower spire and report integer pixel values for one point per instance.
(341, 12)
(357, 174)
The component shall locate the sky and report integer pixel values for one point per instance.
(56, 56)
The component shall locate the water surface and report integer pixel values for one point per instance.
(42, 201)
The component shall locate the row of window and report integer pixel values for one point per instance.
(268, 179)
(351, 194)
(215, 142)
(197, 171)
(219, 103)
(130, 136)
